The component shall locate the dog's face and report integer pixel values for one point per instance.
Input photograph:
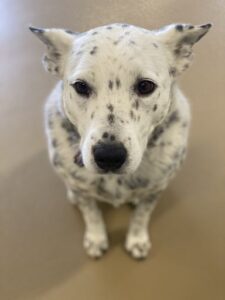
(116, 86)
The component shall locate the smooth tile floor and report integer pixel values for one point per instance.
(41, 256)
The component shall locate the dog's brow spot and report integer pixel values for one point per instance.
(155, 45)
(110, 84)
(155, 107)
(94, 50)
(105, 135)
(111, 119)
(179, 27)
(110, 107)
(118, 83)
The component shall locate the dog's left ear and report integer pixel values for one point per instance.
(59, 43)
(179, 39)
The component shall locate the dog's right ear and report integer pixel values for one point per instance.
(59, 43)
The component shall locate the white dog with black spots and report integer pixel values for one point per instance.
(117, 123)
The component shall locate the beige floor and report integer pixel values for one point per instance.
(41, 256)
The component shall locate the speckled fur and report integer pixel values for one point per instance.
(154, 129)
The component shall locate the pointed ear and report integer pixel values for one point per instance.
(179, 39)
(59, 43)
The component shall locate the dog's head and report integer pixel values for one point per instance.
(116, 85)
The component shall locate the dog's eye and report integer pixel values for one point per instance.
(82, 88)
(145, 87)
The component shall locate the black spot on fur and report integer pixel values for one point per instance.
(76, 176)
(155, 45)
(95, 32)
(112, 137)
(135, 183)
(92, 115)
(105, 135)
(109, 27)
(54, 143)
(119, 181)
(78, 159)
(69, 31)
(57, 162)
(110, 107)
(136, 104)
(111, 119)
(173, 117)
(125, 25)
(132, 115)
(172, 71)
(79, 52)
(155, 107)
(94, 50)
(110, 84)
(72, 133)
(179, 27)
(177, 51)
(50, 123)
(118, 83)
(157, 132)
(57, 69)
(190, 27)
(56, 54)
(131, 42)
(116, 42)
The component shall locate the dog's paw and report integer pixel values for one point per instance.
(95, 244)
(138, 245)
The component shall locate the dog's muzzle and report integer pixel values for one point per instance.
(110, 157)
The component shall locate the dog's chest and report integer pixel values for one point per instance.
(114, 189)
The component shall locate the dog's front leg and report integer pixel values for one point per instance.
(138, 242)
(95, 238)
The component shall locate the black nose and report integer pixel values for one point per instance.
(109, 157)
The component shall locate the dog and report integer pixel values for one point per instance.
(117, 123)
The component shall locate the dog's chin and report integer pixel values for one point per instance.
(125, 170)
